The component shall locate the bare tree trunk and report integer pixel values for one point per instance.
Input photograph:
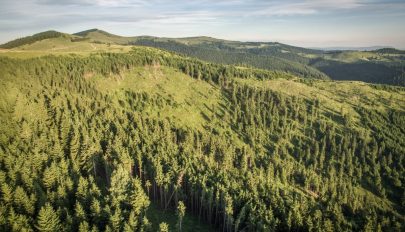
(170, 198)
(154, 190)
(201, 203)
(161, 196)
(94, 167)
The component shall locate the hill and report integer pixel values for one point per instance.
(373, 66)
(383, 66)
(100, 36)
(33, 39)
(221, 52)
(127, 141)
(208, 49)
(371, 48)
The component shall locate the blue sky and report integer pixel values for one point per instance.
(310, 23)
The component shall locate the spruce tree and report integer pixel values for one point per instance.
(163, 227)
(181, 211)
(48, 220)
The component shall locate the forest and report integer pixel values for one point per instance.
(384, 66)
(381, 66)
(221, 53)
(97, 142)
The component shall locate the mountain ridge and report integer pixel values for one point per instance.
(384, 66)
(85, 33)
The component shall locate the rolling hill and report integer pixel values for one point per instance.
(34, 38)
(98, 136)
(383, 66)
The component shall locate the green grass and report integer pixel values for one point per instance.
(193, 103)
(190, 99)
(61, 46)
(355, 56)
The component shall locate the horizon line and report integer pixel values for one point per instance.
(330, 47)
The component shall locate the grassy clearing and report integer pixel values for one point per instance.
(190, 99)
(61, 46)
(355, 56)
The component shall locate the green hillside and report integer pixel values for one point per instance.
(33, 39)
(219, 52)
(212, 50)
(62, 46)
(100, 36)
(383, 66)
(126, 140)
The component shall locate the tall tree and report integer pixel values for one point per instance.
(163, 227)
(181, 211)
(48, 220)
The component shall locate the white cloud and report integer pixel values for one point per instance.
(224, 18)
(288, 8)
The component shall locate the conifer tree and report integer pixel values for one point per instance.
(48, 219)
(163, 227)
(181, 211)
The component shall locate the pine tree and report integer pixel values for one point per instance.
(163, 227)
(146, 225)
(116, 220)
(84, 227)
(80, 214)
(48, 220)
(181, 211)
(22, 201)
(7, 193)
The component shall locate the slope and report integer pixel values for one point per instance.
(213, 50)
(383, 66)
(100, 36)
(95, 139)
(34, 38)
(62, 46)
(218, 52)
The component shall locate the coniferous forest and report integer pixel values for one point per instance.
(110, 141)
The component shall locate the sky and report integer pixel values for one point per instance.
(307, 23)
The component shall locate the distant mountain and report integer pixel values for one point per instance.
(377, 64)
(272, 56)
(34, 38)
(371, 48)
(94, 30)
(101, 36)
(390, 51)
